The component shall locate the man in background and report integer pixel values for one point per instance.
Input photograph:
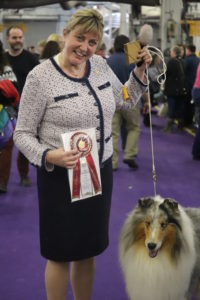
(22, 62)
(117, 62)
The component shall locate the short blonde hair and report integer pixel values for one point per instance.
(101, 46)
(87, 20)
(41, 43)
(54, 37)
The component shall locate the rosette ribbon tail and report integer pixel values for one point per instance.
(76, 181)
(93, 173)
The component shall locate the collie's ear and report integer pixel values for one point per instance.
(171, 203)
(145, 202)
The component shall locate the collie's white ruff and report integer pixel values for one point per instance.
(158, 278)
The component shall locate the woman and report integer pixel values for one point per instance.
(9, 98)
(40, 47)
(51, 48)
(175, 89)
(56, 38)
(73, 91)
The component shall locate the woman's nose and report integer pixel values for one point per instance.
(84, 46)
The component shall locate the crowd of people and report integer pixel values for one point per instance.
(15, 64)
(177, 92)
(66, 86)
(180, 89)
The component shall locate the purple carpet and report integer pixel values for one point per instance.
(22, 267)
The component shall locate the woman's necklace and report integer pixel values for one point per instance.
(73, 72)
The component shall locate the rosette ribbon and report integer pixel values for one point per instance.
(83, 143)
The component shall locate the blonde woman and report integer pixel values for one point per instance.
(72, 91)
(40, 47)
(56, 38)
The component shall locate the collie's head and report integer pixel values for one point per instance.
(155, 224)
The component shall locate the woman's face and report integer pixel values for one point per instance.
(79, 47)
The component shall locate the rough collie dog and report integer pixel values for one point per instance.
(159, 251)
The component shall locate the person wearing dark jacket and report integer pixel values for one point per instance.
(175, 89)
(129, 119)
(191, 62)
(22, 62)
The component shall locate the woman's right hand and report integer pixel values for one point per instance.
(62, 158)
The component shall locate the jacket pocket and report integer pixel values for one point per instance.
(64, 97)
(104, 86)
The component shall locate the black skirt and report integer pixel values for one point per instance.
(72, 231)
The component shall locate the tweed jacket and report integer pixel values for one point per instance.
(53, 103)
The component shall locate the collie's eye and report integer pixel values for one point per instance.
(163, 225)
(147, 223)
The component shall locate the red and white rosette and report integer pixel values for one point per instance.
(83, 143)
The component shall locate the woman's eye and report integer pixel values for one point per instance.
(92, 43)
(79, 37)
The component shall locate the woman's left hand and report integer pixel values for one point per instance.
(145, 60)
(145, 57)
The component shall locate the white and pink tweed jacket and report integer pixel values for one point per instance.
(53, 103)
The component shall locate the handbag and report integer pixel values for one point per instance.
(7, 126)
(9, 100)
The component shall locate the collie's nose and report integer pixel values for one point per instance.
(151, 246)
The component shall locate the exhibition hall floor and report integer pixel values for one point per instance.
(22, 267)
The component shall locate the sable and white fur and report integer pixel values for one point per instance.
(159, 251)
